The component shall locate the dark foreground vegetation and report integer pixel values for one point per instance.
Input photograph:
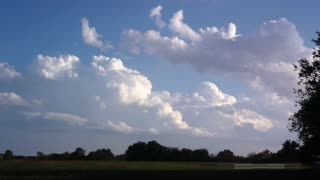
(153, 151)
(82, 169)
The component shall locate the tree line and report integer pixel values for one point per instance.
(153, 151)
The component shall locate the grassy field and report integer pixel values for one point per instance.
(32, 169)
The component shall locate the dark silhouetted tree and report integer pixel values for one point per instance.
(156, 152)
(186, 154)
(289, 151)
(120, 157)
(264, 156)
(8, 154)
(225, 155)
(41, 155)
(55, 156)
(101, 154)
(306, 121)
(200, 155)
(79, 153)
(136, 152)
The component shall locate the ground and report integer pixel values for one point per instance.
(33, 169)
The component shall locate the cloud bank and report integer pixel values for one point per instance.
(263, 59)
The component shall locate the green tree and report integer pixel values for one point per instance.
(200, 155)
(8, 154)
(79, 153)
(136, 152)
(225, 155)
(306, 121)
(41, 155)
(289, 151)
(101, 154)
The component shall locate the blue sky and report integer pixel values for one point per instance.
(217, 72)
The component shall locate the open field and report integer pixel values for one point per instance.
(31, 169)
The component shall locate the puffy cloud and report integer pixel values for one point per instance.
(152, 42)
(207, 95)
(11, 99)
(178, 26)
(214, 32)
(130, 86)
(121, 127)
(91, 37)
(155, 14)
(70, 119)
(55, 67)
(262, 59)
(7, 71)
(166, 112)
(134, 90)
(211, 95)
(259, 122)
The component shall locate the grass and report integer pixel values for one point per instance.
(33, 169)
(34, 165)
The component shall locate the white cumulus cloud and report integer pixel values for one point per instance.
(178, 26)
(134, 90)
(121, 127)
(55, 67)
(7, 71)
(244, 116)
(130, 85)
(207, 95)
(155, 14)
(11, 99)
(262, 59)
(91, 37)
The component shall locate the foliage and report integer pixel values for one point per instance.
(41, 155)
(225, 156)
(79, 153)
(100, 154)
(306, 120)
(153, 151)
(8, 154)
(290, 151)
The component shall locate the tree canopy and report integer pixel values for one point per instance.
(306, 120)
(8, 154)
